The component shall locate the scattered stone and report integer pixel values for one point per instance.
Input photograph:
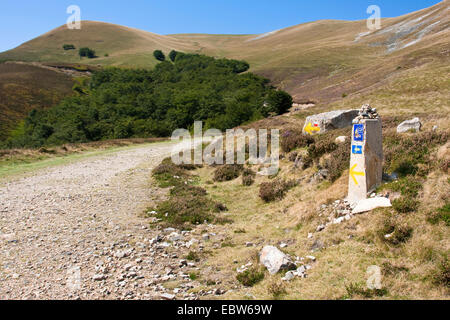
(283, 245)
(249, 244)
(341, 139)
(289, 276)
(175, 237)
(366, 112)
(99, 277)
(167, 296)
(275, 260)
(320, 228)
(205, 237)
(371, 204)
(408, 125)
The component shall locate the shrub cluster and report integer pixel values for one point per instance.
(187, 203)
(275, 190)
(228, 172)
(68, 47)
(338, 161)
(294, 139)
(248, 177)
(87, 52)
(250, 277)
(404, 153)
(442, 214)
(393, 232)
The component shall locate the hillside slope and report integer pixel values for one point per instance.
(319, 61)
(24, 87)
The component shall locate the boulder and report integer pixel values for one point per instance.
(321, 123)
(371, 204)
(407, 125)
(275, 260)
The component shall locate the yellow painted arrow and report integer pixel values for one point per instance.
(354, 173)
(310, 128)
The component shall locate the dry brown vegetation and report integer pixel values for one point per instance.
(413, 259)
(319, 61)
(26, 87)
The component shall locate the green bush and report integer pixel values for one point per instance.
(248, 177)
(441, 276)
(86, 52)
(275, 190)
(173, 55)
(228, 172)
(159, 55)
(442, 214)
(404, 153)
(187, 204)
(193, 256)
(294, 139)
(405, 205)
(398, 233)
(68, 47)
(250, 277)
(338, 161)
(408, 186)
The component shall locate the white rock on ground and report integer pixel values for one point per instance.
(331, 120)
(275, 260)
(341, 139)
(407, 125)
(371, 204)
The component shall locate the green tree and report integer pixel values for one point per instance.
(68, 47)
(159, 55)
(173, 55)
(87, 52)
(277, 102)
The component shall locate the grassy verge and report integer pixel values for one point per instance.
(18, 162)
(187, 205)
(408, 242)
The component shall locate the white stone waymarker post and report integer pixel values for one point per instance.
(366, 164)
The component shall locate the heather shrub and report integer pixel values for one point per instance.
(250, 277)
(248, 177)
(228, 172)
(405, 205)
(275, 190)
(294, 139)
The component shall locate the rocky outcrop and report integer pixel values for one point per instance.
(408, 125)
(321, 123)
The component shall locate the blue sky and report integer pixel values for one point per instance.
(22, 20)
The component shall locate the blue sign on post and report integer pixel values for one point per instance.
(357, 149)
(358, 132)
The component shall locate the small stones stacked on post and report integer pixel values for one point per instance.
(366, 112)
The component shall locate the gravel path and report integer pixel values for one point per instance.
(74, 232)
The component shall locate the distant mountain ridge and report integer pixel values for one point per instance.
(320, 61)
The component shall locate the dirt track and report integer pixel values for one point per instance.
(74, 231)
